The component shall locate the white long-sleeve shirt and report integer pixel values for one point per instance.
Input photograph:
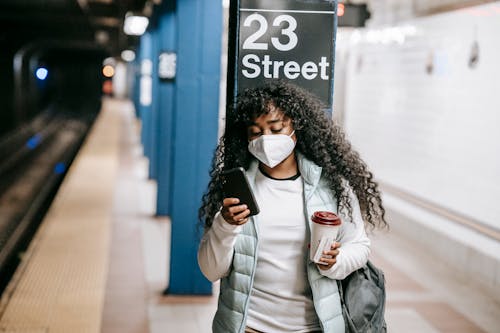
(281, 299)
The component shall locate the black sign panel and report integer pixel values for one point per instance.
(289, 40)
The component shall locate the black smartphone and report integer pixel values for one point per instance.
(235, 185)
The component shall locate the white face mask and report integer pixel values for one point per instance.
(272, 149)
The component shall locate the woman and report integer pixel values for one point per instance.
(297, 162)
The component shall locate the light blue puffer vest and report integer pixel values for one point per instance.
(236, 288)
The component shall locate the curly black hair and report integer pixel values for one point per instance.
(318, 139)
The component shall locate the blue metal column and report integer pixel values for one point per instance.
(136, 67)
(166, 96)
(154, 126)
(199, 30)
(145, 109)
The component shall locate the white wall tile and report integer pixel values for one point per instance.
(435, 134)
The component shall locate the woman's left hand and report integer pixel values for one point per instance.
(329, 258)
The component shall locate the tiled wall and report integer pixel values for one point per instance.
(384, 12)
(390, 11)
(424, 115)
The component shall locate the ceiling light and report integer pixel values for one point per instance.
(109, 61)
(135, 24)
(128, 55)
(108, 71)
(102, 37)
(41, 73)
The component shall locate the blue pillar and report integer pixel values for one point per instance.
(199, 30)
(154, 125)
(145, 108)
(166, 96)
(136, 67)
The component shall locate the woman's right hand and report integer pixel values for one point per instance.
(233, 213)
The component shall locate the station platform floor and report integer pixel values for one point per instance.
(99, 261)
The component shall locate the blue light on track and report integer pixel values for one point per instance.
(60, 168)
(41, 73)
(33, 141)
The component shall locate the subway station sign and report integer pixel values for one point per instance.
(291, 40)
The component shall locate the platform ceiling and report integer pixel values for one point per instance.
(96, 21)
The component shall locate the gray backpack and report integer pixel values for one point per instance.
(362, 295)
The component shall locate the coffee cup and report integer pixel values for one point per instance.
(324, 229)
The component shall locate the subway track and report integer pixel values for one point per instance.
(33, 161)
